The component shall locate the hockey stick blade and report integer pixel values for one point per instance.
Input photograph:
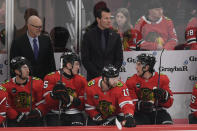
(118, 124)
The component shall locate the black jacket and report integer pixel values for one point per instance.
(45, 62)
(93, 58)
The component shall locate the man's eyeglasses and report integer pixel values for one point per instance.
(38, 27)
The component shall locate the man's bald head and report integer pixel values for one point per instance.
(34, 19)
(34, 25)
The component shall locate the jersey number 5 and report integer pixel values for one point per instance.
(45, 84)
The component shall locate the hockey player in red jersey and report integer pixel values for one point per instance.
(157, 30)
(24, 92)
(64, 99)
(193, 106)
(191, 38)
(107, 98)
(146, 95)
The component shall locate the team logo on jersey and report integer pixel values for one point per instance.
(14, 90)
(146, 94)
(138, 85)
(106, 108)
(71, 92)
(96, 96)
(22, 100)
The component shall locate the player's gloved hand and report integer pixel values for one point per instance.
(161, 95)
(130, 121)
(22, 117)
(58, 90)
(76, 101)
(35, 114)
(145, 106)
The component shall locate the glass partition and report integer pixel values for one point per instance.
(58, 19)
(162, 23)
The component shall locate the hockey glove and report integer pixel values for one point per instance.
(76, 102)
(145, 106)
(161, 95)
(58, 90)
(130, 121)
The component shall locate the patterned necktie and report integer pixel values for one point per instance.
(103, 41)
(35, 48)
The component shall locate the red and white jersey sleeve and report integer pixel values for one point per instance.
(164, 27)
(131, 84)
(124, 100)
(3, 105)
(193, 102)
(191, 38)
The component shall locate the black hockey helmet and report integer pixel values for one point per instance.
(147, 59)
(69, 57)
(110, 71)
(17, 62)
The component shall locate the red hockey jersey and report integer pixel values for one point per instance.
(193, 103)
(75, 86)
(164, 28)
(112, 102)
(138, 88)
(191, 38)
(19, 95)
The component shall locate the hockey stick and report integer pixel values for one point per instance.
(31, 86)
(156, 101)
(118, 124)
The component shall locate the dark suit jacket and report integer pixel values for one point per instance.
(93, 58)
(45, 62)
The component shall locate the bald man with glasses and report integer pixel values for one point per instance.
(35, 47)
